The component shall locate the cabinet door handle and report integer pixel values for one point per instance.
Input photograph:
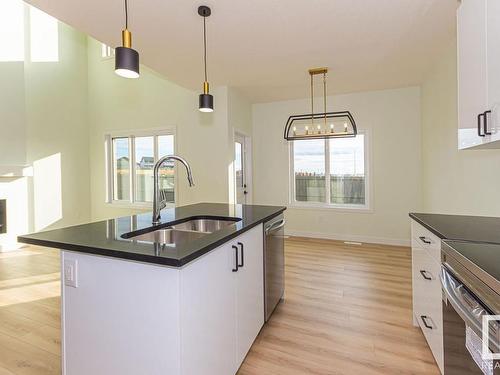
(485, 115)
(424, 275)
(425, 240)
(242, 255)
(424, 320)
(236, 259)
(479, 127)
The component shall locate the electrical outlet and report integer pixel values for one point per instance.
(71, 273)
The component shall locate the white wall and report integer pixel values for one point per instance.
(55, 116)
(57, 137)
(43, 122)
(205, 140)
(455, 182)
(12, 114)
(392, 118)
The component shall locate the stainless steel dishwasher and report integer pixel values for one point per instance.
(274, 263)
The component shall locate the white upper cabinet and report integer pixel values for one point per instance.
(493, 51)
(478, 33)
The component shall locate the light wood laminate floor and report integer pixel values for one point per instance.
(347, 310)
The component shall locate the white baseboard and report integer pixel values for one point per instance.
(351, 237)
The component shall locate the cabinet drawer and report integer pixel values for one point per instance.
(425, 239)
(427, 297)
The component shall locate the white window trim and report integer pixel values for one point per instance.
(366, 208)
(131, 134)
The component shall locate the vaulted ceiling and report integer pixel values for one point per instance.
(264, 47)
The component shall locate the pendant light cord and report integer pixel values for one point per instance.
(126, 15)
(205, 46)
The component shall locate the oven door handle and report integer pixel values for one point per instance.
(463, 302)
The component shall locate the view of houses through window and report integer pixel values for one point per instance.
(329, 171)
(133, 160)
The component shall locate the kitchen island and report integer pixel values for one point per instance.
(185, 296)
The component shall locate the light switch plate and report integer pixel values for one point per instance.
(71, 273)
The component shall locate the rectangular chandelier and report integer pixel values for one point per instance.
(320, 125)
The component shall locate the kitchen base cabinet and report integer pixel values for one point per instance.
(250, 292)
(134, 318)
(427, 306)
(222, 306)
(208, 314)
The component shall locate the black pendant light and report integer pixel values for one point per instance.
(206, 100)
(126, 58)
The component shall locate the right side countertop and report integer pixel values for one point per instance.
(461, 227)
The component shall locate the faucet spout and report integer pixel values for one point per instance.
(159, 202)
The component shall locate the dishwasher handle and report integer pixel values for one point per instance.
(277, 225)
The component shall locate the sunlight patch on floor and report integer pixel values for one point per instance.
(30, 293)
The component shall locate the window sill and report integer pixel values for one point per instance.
(331, 207)
(137, 206)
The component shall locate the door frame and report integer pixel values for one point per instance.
(247, 165)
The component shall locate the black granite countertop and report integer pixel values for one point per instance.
(105, 237)
(461, 227)
(475, 239)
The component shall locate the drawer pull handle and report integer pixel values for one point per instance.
(486, 131)
(236, 264)
(425, 240)
(424, 320)
(242, 256)
(424, 275)
(479, 123)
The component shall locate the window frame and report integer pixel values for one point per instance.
(110, 52)
(367, 207)
(110, 176)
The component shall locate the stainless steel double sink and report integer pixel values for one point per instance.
(184, 231)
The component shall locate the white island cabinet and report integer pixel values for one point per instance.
(132, 318)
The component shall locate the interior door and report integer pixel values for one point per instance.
(240, 169)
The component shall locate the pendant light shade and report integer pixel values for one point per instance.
(127, 62)
(126, 58)
(206, 101)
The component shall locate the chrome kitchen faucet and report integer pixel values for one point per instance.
(159, 198)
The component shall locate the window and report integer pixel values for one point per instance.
(106, 51)
(12, 30)
(330, 172)
(131, 159)
(25, 28)
(44, 37)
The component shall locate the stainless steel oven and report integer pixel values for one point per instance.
(274, 263)
(466, 301)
